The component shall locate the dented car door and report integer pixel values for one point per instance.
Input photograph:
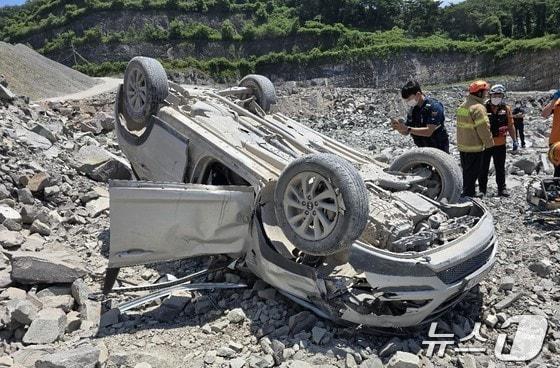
(157, 222)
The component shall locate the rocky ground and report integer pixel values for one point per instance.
(55, 161)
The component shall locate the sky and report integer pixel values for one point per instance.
(18, 2)
(11, 2)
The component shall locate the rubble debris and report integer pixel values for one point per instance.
(541, 267)
(404, 360)
(40, 228)
(508, 301)
(491, 320)
(38, 182)
(236, 315)
(303, 321)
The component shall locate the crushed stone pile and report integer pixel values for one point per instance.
(31, 74)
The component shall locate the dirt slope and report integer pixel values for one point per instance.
(31, 74)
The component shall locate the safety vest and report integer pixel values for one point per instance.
(498, 119)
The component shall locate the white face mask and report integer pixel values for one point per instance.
(412, 102)
(496, 101)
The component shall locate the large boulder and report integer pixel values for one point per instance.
(8, 213)
(11, 239)
(82, 357)
(46, 268)
(32, 139)
(47, 327)
(101, 165)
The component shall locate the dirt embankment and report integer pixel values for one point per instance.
(33, 75)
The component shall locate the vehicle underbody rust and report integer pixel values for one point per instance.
(218, 173)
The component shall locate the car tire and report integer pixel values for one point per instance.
(445, 169)
(145, 88)
(321, 204)
(263, 90)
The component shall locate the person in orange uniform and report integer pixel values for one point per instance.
(554, 140)
(501, 122)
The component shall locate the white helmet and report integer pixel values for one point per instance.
(498, 89)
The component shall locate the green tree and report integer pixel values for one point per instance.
(260, 13)
(248, 32)
(228, 31)
(540, 10)
(507, 24)
(421, 17)
(518, 19)
(172, 4)
(553, 21)
(490, 26)
(201, 6)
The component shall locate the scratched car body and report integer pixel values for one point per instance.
(331, 228)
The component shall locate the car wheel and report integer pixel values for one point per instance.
(263, 90)
(444, 179)
(321, 204)
(145, 88)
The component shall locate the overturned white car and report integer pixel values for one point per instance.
(328, 226)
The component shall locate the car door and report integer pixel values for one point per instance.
(157, 222)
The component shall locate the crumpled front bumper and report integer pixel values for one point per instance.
(423, 286)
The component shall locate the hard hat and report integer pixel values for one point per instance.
(478, 86)
(498, 89)
(554, 154)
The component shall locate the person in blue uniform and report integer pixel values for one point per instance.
(425, 121)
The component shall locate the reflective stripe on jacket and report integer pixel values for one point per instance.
(473, 129)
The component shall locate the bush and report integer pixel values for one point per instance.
(229, 32)
(249, 32)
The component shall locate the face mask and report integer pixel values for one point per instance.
(518, 105)
(496, 101)
(412, 102)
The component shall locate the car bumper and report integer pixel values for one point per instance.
(422, 286)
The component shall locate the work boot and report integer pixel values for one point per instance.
(503, 193)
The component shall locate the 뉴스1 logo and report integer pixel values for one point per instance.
(527, 342)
